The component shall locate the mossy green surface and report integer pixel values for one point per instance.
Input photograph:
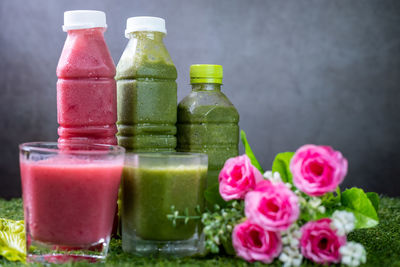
(382, 243)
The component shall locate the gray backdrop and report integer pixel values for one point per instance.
(323, 72)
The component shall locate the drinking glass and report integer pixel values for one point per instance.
(70, 197)
(162, 202)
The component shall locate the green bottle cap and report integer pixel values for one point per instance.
(204, 73)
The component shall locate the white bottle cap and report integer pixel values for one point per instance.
(84, 19)
(149, 24)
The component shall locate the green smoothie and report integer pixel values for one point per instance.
(208, 121)
(146, 89)
(148, 194)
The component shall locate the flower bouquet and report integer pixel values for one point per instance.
(294, 212)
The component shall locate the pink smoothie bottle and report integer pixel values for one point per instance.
(86, 89)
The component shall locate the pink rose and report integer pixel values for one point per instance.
(320, 243)
(317, 169)
(253, 243)
(237, 177)
(272, 206)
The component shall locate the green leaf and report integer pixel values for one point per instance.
(356, 201)
(374, 198)
(281, 164)
(213, 197)
(330, 201)
(228, 247)
(338, 193)
(305, 216)
(12, 240)
(249, 152)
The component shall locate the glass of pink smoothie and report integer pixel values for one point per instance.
(70, 197)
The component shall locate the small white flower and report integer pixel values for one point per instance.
(321, 209)
(268, 175)
(294, 243)
(297, 234)
(283, 257)
(290, 255)
(273, 177)
(314, 205)
(216, 239)
(297, 261)
(353, 254)
(292, 230)
(343, 222)
(315, 202)
(302, 200)
(288, 185)
(285, 240)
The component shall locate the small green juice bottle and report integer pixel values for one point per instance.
(146, 89)
(207, 120)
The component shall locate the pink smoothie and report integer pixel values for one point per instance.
(86, 89)
(70, 202)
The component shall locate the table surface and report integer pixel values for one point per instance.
(382, 243)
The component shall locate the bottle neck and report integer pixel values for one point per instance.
(206, 87)
(155, 36)
(91, 31)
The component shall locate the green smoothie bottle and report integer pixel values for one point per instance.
(207, 120)
(146, 89)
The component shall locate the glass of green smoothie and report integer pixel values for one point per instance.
(155, 186)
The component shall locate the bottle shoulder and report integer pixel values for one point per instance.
(207, 106)
(145, 59)
(85, 57)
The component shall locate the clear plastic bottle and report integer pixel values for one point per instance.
(146, 89)
(207, 120)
